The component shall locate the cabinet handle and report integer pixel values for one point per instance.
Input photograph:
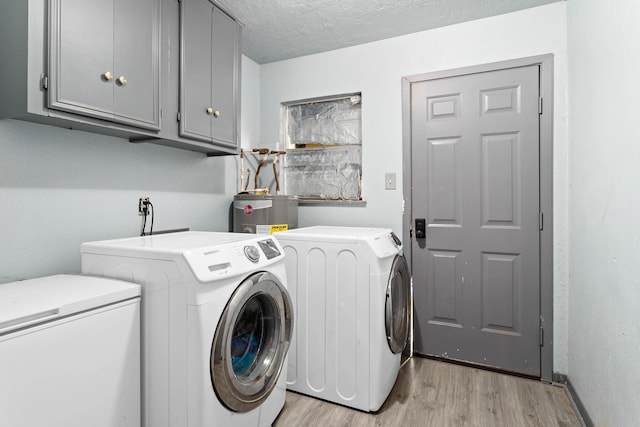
(122, 80)
(107, 76)
(216, 114)
(209, 110)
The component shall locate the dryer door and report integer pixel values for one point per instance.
(397, 305)
(251, 342)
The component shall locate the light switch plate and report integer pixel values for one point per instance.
(390, 181)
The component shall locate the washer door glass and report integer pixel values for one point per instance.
(397, 305)
(251, 342)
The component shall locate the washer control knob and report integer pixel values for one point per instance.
(252, 253)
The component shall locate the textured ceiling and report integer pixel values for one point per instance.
(281, 29)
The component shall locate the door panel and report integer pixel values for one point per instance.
(104, 60)
(250, 342)
(136, 59)
(445, 204)
(501, 273)
(475, 178)
(397, 304)
(500, 198)
(81, 53)
(223, 77)
(195, 74)
(444, 267)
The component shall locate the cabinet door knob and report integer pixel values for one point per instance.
(216, 113)
(122, 80)
(107, 76)
(209, 110)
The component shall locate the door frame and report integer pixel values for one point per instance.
(545, 62)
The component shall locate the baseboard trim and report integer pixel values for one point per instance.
(559, 378)
(581, 410)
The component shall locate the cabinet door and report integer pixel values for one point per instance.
(136, 62)
(225, 77)
(81, 56)
(103, 60)
(195, 72)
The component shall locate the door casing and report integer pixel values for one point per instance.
(546, 182)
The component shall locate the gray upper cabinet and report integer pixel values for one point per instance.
(159, 71)
(209, 74)
(104, 60)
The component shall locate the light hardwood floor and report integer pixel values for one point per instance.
(441, 394)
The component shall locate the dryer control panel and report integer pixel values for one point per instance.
(385, 244)
(396, 239)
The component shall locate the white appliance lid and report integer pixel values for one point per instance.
(45, 299)
(175, 243)
(323, 233)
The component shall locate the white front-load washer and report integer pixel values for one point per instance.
(351, 291)
(216, 324)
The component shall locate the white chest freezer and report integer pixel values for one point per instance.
(69, 352)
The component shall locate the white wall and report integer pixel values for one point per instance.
(59, 188)
(604, 235)
(250, 119)
(376, 70)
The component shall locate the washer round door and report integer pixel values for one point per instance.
(397, 305)
(251, 342)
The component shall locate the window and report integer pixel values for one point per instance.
(323, 138)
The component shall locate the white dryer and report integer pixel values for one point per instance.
(216, 324)
(351, 290)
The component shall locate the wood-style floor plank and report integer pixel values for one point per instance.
(435, 393)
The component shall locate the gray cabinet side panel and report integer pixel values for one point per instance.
(37, 57)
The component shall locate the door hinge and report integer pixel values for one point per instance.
(540, 220)
(44, 82)
(540, 105)
(541, 336)
(179, 116)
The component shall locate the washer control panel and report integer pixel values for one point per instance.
(233, 257)
(269, 248)
(252, 253)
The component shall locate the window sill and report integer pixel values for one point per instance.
(311, 202)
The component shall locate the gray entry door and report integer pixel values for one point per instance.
(475, 182)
